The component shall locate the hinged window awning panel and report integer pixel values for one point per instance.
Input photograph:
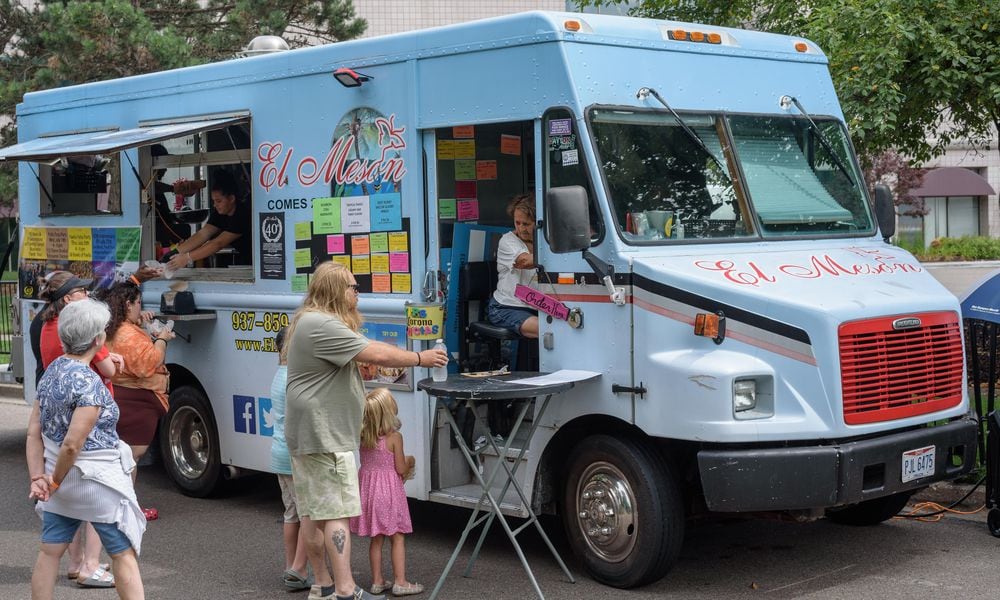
(103, 142)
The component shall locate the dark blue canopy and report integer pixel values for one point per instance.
(983, 300)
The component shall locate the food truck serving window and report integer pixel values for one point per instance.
(197, 192)
(80, 173)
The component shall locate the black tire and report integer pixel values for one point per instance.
(993, 521)
(622, 511)
(870, 512)
(189, 443)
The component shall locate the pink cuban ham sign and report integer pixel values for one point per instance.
(546, 304)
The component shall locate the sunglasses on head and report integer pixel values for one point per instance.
(355, 287)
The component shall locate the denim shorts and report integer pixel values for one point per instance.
(57, 529)
(508, 317)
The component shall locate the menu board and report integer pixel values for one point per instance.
(366, 234)
(104, 254)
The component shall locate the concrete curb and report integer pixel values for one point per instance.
(12, 391)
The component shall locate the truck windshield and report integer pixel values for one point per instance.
(662, 182)
(665, 186)
(800, 181)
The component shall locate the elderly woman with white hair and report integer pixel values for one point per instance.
(79, 469)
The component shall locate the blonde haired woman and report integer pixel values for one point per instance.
(325, 405)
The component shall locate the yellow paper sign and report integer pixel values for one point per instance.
(361, 265)
(398, 241)
(400, 283)
(380, 263)
(34, 243)
(80, 243)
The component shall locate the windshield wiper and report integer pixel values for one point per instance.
(645, 92)
(785, 100)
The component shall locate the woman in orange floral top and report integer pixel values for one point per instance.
(141, 386)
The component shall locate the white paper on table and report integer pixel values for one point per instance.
(560, 376)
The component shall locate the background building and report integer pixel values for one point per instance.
(960, 190)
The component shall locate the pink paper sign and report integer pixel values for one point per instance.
(468, 210)
(399, 262)
(546, 304)
(334, 244)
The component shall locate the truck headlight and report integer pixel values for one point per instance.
(744, 395)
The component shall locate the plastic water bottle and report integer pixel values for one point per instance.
(440, 373)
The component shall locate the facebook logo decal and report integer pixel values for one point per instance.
(253, 415)
(244, 415)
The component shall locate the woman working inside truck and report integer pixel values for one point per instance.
(227, 226)
(516, 265)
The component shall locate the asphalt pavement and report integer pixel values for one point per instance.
(230, 547)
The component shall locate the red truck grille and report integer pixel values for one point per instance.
(895, 373)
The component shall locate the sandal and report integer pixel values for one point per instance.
(100, 578)
(407, 590)
(294, 581)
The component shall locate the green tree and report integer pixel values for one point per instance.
(67, 42)
(912, 75)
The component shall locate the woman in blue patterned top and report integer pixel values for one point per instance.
(79, 469)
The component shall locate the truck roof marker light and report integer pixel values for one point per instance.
(801, 47)
(710, 325)
(678, 35)
(697, 36)
(577, 26)
(350, 78)
(714, 38)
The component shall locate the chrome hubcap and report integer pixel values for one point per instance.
(606, 511)
(189, 448)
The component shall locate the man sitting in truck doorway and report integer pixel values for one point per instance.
(516, 265)
(227, 225)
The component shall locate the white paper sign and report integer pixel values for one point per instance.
(354, 214)
(570, 157)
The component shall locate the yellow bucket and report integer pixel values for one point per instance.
(425, 321)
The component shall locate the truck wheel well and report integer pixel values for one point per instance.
(549, 479)
(550, 472)
(179, 377)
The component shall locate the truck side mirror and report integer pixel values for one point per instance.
(885, 211)
(567, 219)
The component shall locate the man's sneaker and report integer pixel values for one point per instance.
(316, 593)
(361, 594)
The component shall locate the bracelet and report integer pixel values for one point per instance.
(418, 359)
(190, 260)
(159, 339)
(53, 487)
(134, 279)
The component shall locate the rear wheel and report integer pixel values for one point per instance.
(870, 512)
(622, 511)
(189, 443)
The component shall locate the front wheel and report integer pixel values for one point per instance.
(189, 443)
(622, 511)
(870, 512)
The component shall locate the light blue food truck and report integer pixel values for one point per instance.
(701, 217)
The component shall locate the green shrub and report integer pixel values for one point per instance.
(964, 248)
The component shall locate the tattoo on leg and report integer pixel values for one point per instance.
(339, 538)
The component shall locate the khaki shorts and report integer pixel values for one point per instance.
(288, 498)
(326, 486)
